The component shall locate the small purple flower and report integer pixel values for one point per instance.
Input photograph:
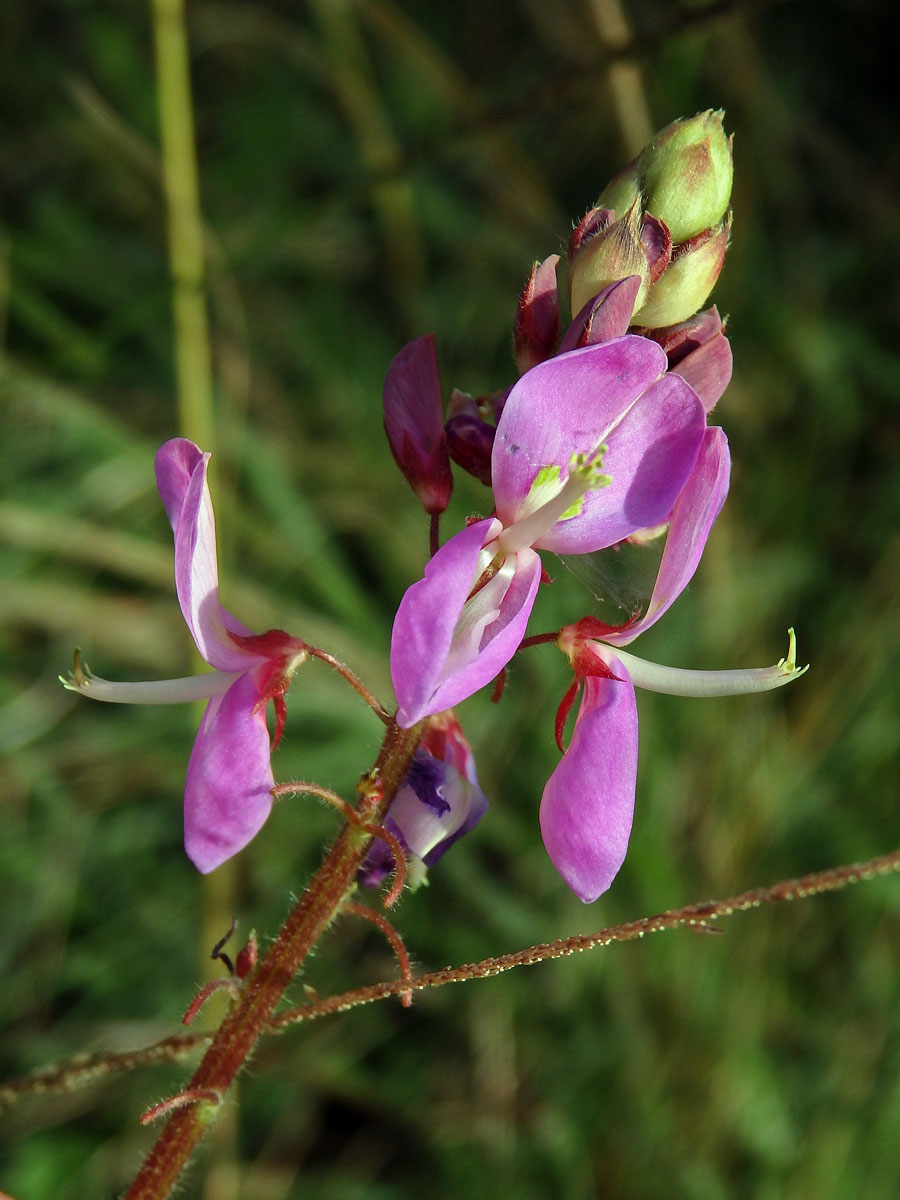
(229, 778)
(591, 446)
(588, 802)
(439, 801)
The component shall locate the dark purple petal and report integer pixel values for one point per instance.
(379, 860)
(604, 317)
(470, 442)
(445, 646)
(425, 776)
(431, 818)
(692, 519)
(588, 803)
(434, 808)
(227, 795)
(414, 423)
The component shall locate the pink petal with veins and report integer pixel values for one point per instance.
(613, 394)
(588, 803)
(446, 645)
(181, 474)
(692, 519)
(227, 794)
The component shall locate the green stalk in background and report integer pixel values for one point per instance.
(186, 258)
(194, 399)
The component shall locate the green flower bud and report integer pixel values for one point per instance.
(686, 173)
(688, 279)
(606, 257)
(620, 193)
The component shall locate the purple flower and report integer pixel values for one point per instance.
(588, 803)
(439, 801)
(591, 446)
(229, 778)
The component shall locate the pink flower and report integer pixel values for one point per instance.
(229, 778)
(588, 802)
(592, 445)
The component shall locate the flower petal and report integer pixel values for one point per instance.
(175, 463)
(607, 394)
(605, 316)
(692, 519)
(181, 475)
(227, 795)
(435, 807)
(708, 370)
(588, 803)
(444, 645)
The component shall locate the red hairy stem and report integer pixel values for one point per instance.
(379, 831)
(692, 916)
(355, 682)
(263, 989)
(539, 639)
(393, 937)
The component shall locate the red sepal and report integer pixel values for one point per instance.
(246, 958)
(280, 651)
(591, 627)
(586, 660)
(562, 713)
(273, 644)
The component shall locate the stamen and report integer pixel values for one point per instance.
(677, 682)
(155, 691)
(584, 475)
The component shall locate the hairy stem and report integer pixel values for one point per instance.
(241, 1029)
(697, 916)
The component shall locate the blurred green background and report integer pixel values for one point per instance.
(373, 170)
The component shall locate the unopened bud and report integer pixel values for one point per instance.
(688, 279)
(622, 191)
(414, 423)
(536, 326)
(611, 255)
(471, 442)
(686, 174)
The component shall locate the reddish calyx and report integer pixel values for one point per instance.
(282, 655)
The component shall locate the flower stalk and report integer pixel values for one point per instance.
(263, 989)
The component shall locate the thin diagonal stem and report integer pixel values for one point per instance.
(355, 682)
(264, 988)
(84, 1070)
(833, 879)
